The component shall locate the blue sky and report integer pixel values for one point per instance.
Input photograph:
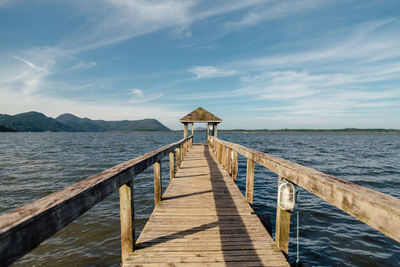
(255, 64)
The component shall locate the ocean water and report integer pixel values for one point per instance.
(33, 165)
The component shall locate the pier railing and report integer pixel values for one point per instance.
(376, 209)
(25, 228)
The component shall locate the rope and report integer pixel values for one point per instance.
(297, 234)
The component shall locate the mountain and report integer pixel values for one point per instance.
(38, 122)
(88, 125)
(33, 122)
(79, 124)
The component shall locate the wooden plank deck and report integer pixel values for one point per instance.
(204, 220)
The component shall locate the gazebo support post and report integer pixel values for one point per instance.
(208, 130)
(185, 130)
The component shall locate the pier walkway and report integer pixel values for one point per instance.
(204, 220)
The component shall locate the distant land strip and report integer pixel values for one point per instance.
(6, 129)
(345, 130)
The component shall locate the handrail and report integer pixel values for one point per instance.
(24, 228)
(376, 209)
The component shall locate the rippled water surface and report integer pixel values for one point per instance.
(33, 165)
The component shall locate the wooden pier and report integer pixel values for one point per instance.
(202, 218)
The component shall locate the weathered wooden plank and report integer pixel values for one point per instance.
(243, 252)
(196, 246)
(23, 229)
(376, 209)
(214, 264)
(195, 258)
(127, 215)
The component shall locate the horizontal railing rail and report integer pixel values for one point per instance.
(376, 209)
(23, 229)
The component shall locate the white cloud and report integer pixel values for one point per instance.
(146, 99)
(137, 92)
(83, 65)
(202, 72)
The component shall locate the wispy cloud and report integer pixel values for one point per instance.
(202, 72)
(271, 10)
(24, 75)
(364, 43)
(5, 3)
(137, 92)
(83, 65)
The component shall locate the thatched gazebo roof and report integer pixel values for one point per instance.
(200, 115)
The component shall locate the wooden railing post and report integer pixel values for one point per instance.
(157, 182)
(229, 162)
(234, 165)
(218, 151)
(178, 158)
(223, 157)
(171, 166)
(127, 217)
(250, 181)
(282, 229)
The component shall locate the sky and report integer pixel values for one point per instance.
(255, 64)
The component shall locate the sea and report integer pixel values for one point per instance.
(33, 165)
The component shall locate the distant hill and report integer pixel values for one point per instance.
(6, 129)
(33, 122)
(38, 122)
(88, 125)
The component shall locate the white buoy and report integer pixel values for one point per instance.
(286, 196)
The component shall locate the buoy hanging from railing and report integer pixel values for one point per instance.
(286, 196)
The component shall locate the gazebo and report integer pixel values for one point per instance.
(203, 116)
